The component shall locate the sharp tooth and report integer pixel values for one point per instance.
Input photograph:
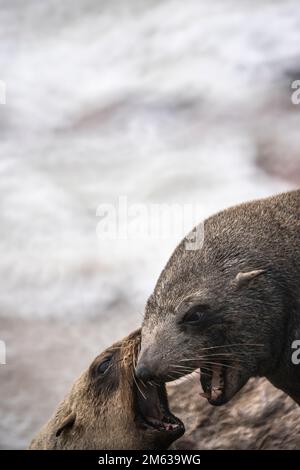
(216, 393)
(216, 377)
(205, 394)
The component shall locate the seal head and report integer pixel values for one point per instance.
(109, 408)
(230, 306)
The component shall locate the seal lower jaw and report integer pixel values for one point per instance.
(153, 413)
(222, 382)
(214, 384)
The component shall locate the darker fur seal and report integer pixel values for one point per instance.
(231, 307)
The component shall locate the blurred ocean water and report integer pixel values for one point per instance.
(159, 101)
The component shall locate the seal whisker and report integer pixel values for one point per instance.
(231, 345)
(208, 359)
(190, 370)
(221, 364)
(136, 383)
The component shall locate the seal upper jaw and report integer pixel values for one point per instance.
(153, 413)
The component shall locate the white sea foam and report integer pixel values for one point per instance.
(141, 100)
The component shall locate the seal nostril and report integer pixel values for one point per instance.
(143, 373)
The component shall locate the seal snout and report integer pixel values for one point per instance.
(143, 373)
(147, 366)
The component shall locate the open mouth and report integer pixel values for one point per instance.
(214, 385)
(152, 410)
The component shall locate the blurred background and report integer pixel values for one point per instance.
(161, 101)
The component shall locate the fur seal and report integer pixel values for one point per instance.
(231, 307)
(108, 408)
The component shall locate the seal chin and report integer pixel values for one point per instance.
(221, 383)
(153, 413)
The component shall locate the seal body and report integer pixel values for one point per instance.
(231, 306)
(107, 408)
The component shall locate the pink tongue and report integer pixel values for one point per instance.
(166, 426)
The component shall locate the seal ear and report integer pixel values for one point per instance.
(243, 278)
(67, 422)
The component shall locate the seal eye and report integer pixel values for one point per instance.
(104, 365)
(196, 315)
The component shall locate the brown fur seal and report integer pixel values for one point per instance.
(231, 307)
(107, 408)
